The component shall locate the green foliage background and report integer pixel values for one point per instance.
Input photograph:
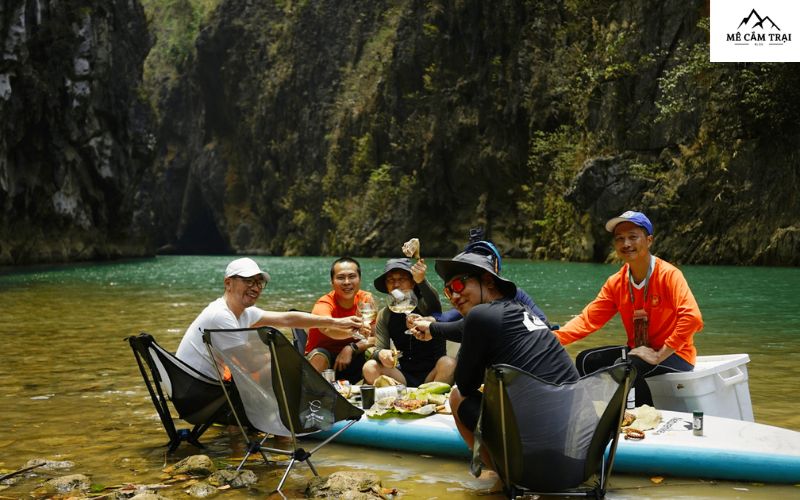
(347, 127)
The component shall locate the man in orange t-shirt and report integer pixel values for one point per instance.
(657, 308)
(334, 347)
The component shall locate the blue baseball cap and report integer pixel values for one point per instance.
(637, 218)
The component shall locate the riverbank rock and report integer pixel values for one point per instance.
(202, 490)
(45, 464)
(74, 483)
(195, 465)
(347, 485)
(148, 496)
(132, 491)
(222, 479)
(232, 478)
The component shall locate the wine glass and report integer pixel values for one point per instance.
(367, 311)
(402, 301)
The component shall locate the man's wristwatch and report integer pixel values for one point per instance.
(354, 346)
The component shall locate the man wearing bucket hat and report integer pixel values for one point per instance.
(243, 283)
(496, 329)
(422, 361)
(478, 244)
(657, 308)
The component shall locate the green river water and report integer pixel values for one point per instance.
(70, 388)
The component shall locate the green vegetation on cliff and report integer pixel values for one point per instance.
(352, 127)
(174, 25)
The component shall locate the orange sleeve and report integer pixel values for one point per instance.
(689, 320)
(596, 314)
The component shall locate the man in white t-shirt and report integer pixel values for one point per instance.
(244, 281)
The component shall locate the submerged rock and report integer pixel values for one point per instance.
(354, 485)
(196, 465)
(50, 464)
(232, 478)
(67, 484)
(149, 495)
(202, 490)
(222, 479)
(138, 492)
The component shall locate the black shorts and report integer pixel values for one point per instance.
(351, 373)
(469, 411)
(414, 378)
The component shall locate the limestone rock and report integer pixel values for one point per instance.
(66, 484)
(149, 495)
(202, 490)
(73, 141)
(50, 464)
(196, 465)
(232, 478)
(353, 485)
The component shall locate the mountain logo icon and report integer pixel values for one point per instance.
(759, 22)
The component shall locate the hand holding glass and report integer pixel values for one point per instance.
(367, 311)
(402, 301)
(355, 332)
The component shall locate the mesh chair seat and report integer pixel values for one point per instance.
(550, 439)
(300, 337)
(198, 399)
(281, 392)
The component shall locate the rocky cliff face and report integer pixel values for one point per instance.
(74, 139)
(333, 127)
(325, 127)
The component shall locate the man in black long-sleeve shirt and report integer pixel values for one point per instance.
(496, 329)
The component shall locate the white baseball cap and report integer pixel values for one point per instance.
(246, 268)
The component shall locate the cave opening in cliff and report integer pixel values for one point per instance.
(199, 233)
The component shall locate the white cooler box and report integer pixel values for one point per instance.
(717, 386)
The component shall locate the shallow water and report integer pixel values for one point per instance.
(70, 388)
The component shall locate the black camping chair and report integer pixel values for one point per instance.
(198, 399)
(281, 392)
(551, 439)
(299, 338)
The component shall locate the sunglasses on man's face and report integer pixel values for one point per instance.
(456, 285)
(252, 282)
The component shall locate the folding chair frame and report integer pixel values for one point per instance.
(296, 454)
(140, 345)
(606, 461)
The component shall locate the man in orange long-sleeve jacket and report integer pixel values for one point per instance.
(657, 308)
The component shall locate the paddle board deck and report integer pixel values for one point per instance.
(728, 449)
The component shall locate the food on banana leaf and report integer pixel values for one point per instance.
(419, 402)
(437, 399)
(395, 410)
(387, 402)
(409, 404)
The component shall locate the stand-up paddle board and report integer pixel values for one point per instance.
(728, 449)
